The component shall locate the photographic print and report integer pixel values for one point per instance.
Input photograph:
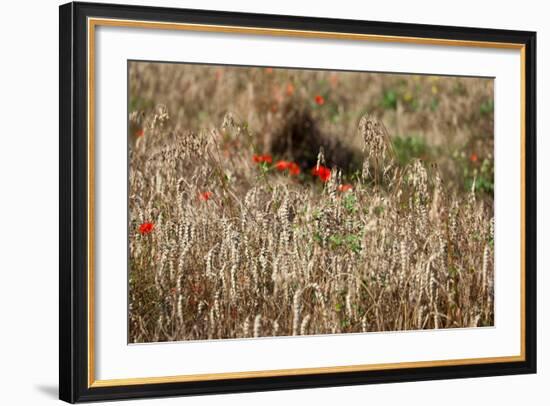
(288, 195)
(269, 201)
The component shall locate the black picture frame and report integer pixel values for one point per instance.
(74, 199)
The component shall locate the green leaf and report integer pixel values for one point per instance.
(350, 203)
(389, 100)
(487, 107)
(409, 147)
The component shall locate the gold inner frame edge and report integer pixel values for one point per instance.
(94, 22)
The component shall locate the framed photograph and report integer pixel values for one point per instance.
(257, 202)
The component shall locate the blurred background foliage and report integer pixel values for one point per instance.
(445, 121)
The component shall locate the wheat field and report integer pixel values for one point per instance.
(278, 202)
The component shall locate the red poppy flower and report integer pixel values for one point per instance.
(204, 196)
(140, 132)
(146, 228)
(262, 158)
(322, 172)
(474, 158)
(290, 89)
(320, 100)
(345, 188)
(282, 165)
(269, 70)
(293, 168)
